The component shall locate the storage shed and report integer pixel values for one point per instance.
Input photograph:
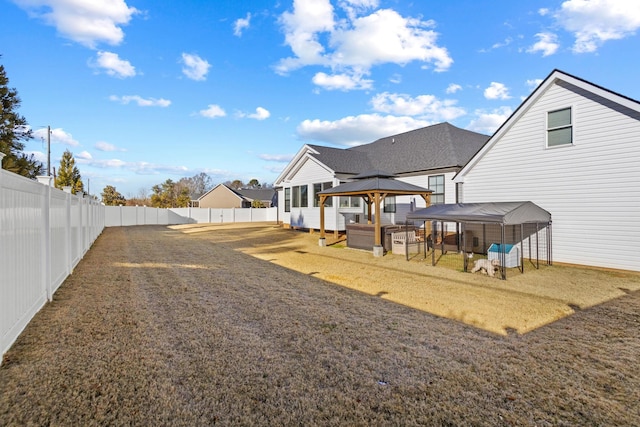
(524, 225)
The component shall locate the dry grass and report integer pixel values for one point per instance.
(200, 325)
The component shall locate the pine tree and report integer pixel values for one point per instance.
(13, 130)
(111, 196)
(68, 174)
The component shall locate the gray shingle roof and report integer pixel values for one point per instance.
(376, 184)
(256, 194)
(433, 147)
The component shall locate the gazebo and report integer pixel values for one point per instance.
(373, 186)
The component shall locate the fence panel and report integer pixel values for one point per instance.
(44, 232)
(21, 258)
(117, 216)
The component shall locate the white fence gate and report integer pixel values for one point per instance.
(44, 233)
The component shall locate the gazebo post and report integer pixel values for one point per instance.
(322, 241)
(378, 250)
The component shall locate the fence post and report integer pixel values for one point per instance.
(46, 235)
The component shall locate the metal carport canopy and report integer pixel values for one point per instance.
(506, 213)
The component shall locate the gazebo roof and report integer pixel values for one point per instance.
(377, 185)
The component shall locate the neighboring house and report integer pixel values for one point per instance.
(573, 148)
(428, 157)
(222, 196)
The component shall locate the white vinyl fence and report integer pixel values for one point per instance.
(44, 233)
(118, 216)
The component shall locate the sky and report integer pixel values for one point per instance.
(141, 91)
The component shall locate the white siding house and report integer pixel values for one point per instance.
(573, 148)
(427, 157)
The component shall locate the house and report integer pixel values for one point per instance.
(428, 157)
(222, 196)
(573, 148)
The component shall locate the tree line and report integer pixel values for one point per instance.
(173, 194)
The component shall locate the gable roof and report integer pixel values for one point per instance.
(438, 146)
(553, 78)
(434, 147)
(250, 194)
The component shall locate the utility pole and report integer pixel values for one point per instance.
(48, 150)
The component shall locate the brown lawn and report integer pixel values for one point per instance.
(256, 325)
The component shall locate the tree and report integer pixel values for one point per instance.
(13, 130)
(170, 195)
(68, 174)
(141, 199)
(111, 196)
(197, 184)
(254, 183)
(235, 184)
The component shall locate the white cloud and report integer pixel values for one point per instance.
(141, 168)
(114, 66)
(57, 136)
(356, 130)
(87, 22)
(496, 91)
(343, 81)
(280, 158)
(213, 111)
(489, 121)
(195, 67)
(85, 155)
(594, 22)
(387, 37)
(426, 107)
(547, 44)
(453, 88)
(105, 146)
(260, 114)
(353, 45)
(241, 24)
(142, 102)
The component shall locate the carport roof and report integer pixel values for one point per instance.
(507, 213)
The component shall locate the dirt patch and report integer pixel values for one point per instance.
(161, 326)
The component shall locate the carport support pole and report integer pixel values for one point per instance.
(503, 254)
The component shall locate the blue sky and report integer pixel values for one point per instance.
(141, 91)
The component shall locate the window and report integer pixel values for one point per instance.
(559, 128)
(316, 197)
(287, 199)
(389, 204)
(350, 202)
(436, 184)
(299, 196)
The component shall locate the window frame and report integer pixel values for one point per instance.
(287, 199)
(561, 127)
(389, 204)
(318, 187)
(300, 196)
(435, 195)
